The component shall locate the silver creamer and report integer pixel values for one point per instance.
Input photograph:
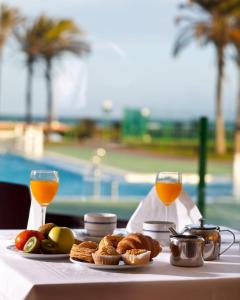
(186, 250)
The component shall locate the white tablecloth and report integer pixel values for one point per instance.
(22, 278)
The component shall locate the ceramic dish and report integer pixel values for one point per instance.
(12, 249)
(158, 230)
(121, 265)
(100, 224)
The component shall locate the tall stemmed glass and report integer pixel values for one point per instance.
(168, 187)
(44, 186)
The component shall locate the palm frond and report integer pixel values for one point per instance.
(192, 30)
(10, 17)
(222, 7)
(215, 28)
(184, 38)
(61, 28)
(230, 7)
(47, 37)
(63, 36)
(209, 5)
(181, 43)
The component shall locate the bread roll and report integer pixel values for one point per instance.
(139, 241)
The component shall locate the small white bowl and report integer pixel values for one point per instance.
(100, 224)
(158, 230)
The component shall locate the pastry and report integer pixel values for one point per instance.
(136, 257)
(110, 240)
(107, 255)
(83, 251)
(88, 244)
(139, 241)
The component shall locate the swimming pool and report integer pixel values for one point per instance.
(80, 182)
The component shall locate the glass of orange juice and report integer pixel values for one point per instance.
(168, 187)
(44, 186)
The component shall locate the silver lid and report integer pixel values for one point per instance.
(187, 238)
(202, 226)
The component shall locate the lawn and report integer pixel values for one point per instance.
(136, 161)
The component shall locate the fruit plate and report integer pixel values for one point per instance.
(121, 265)
(13, 250)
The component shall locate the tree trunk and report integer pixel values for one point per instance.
(48, 76)
(28, 117)
(238, 101)
(220, 142)
(237, 128)
(236, 157)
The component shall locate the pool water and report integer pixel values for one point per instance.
(17, 169)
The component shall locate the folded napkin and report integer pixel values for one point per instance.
(182, 212)
(35, 215)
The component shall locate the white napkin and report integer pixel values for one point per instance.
(182, 212)
(35, 215)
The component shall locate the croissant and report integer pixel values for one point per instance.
(110, 240)
(139, 241)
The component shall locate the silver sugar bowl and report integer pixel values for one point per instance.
(212, 237)
(186, 250)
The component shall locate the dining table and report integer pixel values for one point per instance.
(60, 279)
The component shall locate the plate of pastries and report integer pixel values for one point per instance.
(116, 252)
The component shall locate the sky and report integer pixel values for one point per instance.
(131, 64)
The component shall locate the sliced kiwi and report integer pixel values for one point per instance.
(32, 245)
(48, 247)
(44, 229)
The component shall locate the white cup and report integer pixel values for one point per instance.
(158, 230)
(100, 224)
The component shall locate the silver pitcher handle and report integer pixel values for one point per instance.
(231, 242)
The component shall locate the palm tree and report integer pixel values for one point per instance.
(60, 36)
(28, 37)
(9, 19)
(211, 28)
(46, 39)
(235, 41)
(230, 9)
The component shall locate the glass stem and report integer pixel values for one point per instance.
(166, 213)
(43, 209)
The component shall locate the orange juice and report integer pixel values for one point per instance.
(44, 190)
(168, 191)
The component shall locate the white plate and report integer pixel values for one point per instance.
(12, 249)
(121, 265)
